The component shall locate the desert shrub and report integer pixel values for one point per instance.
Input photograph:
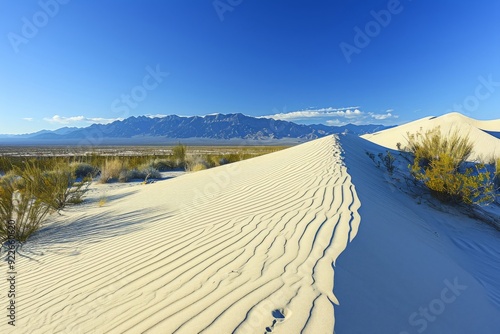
(439, 163)
(150, 172)
(179, 154)
(371, 155)
(233, 157)
(196, 163)
(197, 167)
(56, 187)
(128, 174)
(83, 170)
(102, 201)
(144, 173)
(430, 145)
(5, 164)
(22, 206)
(163, 165)
(111, 170)
(223, 161)
(497, 174)
(472, 186)
(388, 161)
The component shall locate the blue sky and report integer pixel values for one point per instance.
(73, 63)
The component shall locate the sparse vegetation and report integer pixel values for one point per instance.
(142, 173)
(497, 173)
(197, 167)
(111, 170)
(56, 187)
(19, 202)
(197, 162)
(163, 165)
(440, 164)
(388, 161)
(40, 181)
(102, 201)
(179, 155)
(429, 146)
(84, 170)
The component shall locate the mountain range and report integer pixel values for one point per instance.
(214, 127)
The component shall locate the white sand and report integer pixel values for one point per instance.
(485, 145)
(393, 278)
(232, 248)
(215, 251)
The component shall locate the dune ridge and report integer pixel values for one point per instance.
(243, 248)
(486, 146)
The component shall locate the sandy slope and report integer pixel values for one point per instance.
(222, 250)
(413, 268)
(485, 145)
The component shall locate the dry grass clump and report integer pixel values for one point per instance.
(29, 193)
(84, 170)
(197, 167)
(111, 170)
(143, 173)
(179, 153)
(196, 163)
(497, 173)
(163, 165)
(57, 187)
(440, 164)
(19, 203)
(117, 170)
(102, 201)
(433, 143)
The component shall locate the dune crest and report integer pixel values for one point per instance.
(486, 145)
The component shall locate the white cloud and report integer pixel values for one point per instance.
(383, 116)
(334, 122)
(102, 120)
(80, 119)
(316, 113)
(335, 116)
(29, 119)
(156, 116)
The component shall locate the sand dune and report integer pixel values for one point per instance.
(485, 145)
(246, 247)
(414, 267)
(253, 247)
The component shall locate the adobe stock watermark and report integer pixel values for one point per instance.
(278, 300)
(107, 296)
(372, 29)
(220, 179)
(103, 296)
(31, 26)
(121, 106)
(223, 6)
(151, 81)
(483, 91)
(428, 314)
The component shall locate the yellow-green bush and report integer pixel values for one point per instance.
(111, 170)
(429, 145)
(22, 206)
(179, 154)
(497, 173)
(439, 163)
(56, 187)
(197, 167)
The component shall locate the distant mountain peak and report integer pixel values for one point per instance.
(213, 126)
